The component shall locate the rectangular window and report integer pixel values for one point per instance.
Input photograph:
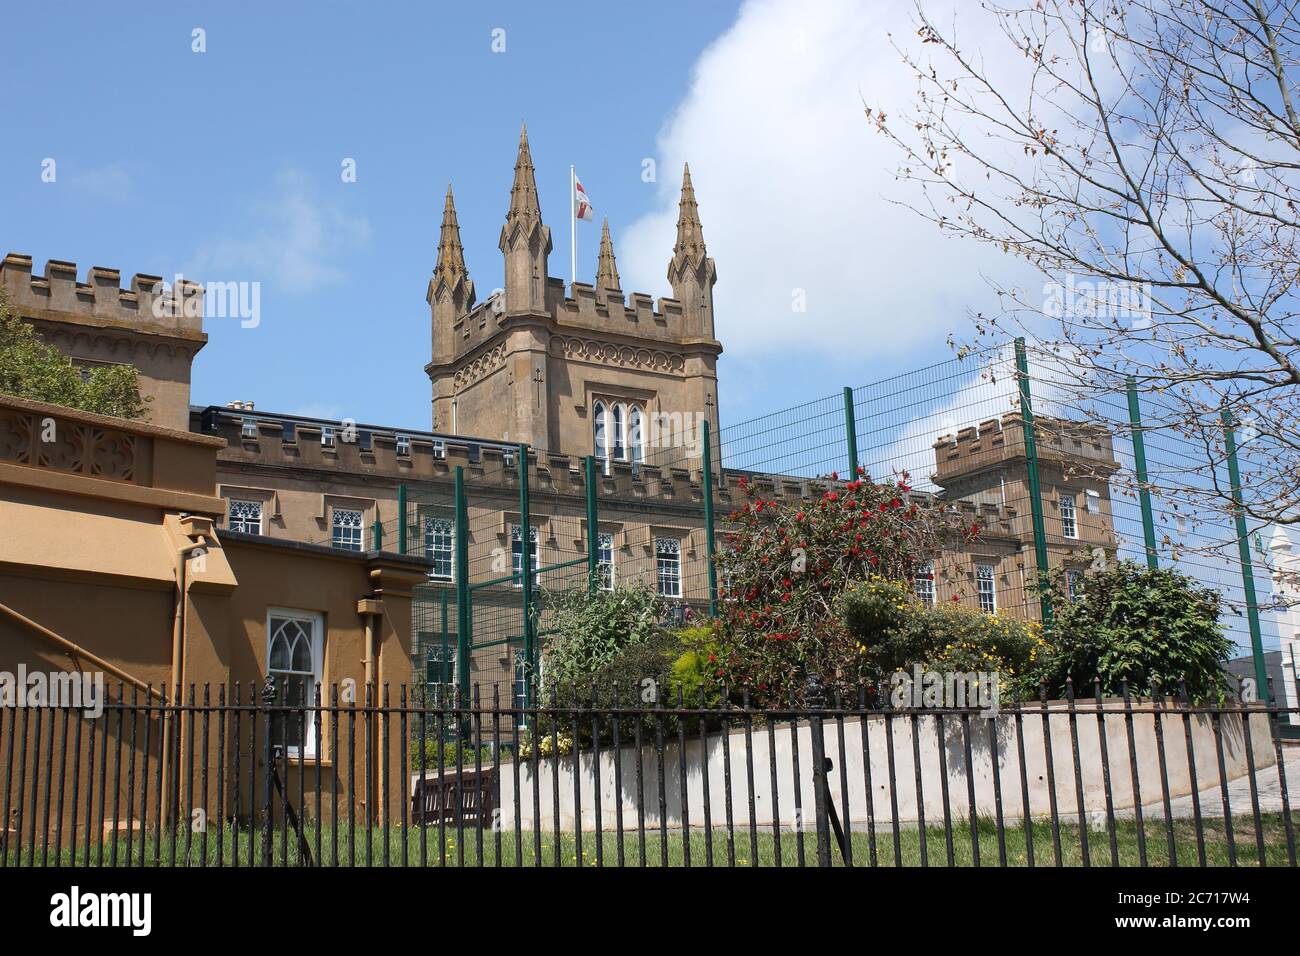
(404, 445)
(347, 529)
(327, 436)
(923, 583)
(439, 542)
(605, 561)
(668, 566)
(988, 594)
(517, 552)
(440, 671)
(1069, 523)
(1073, 583)
(293, 655)
(245, 516)
(248, 428)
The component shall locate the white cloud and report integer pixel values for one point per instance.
(294, 238)
(794, 188)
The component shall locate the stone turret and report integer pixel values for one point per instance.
(97, 323)
(691, 272)
(525, 241)
(450, 297)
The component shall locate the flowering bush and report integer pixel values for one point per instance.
(784, 565)
(894, 632)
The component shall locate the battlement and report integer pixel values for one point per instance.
(1079, 446)
(408, 457)
(608, 310)
(100, 301)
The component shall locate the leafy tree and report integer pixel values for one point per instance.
(29, 368)
(1145, 152)
(1128, 621)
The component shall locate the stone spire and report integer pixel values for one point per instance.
(525, 241)
(690, 232)
(524, 207)
(606, 267)
(450, 271)
(691, 272)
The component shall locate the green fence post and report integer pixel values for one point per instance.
(464, 617)
(526, 574)
(708, 519)
(1140, 461)
(1035, 488)
(851, 429)
(593, 527)
(1243, 548)
(401, 519)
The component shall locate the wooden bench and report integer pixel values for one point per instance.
(468, 797)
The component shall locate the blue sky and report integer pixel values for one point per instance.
(225, 165)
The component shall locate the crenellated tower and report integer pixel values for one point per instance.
(576, 370)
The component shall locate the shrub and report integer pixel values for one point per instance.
(444, 753)
(592, 628)
(788, 561)
(31, 369)
(1129, 621)
(893, 631)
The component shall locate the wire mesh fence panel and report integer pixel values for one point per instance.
(1014, 480)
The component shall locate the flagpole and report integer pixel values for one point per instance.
(573, 226)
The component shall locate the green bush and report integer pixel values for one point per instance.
(444, 753)
(1128, 621)
(593, 628)
(895, 632)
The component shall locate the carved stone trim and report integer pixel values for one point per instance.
(610, 353)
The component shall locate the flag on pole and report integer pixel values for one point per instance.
(582, 208)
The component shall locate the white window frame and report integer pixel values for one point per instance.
(600, 431)
(605, 559)
(636, 434)
(327, 436)
(335, 527)
(248, 428)
(316, 623)
(668, 567)
(516, 557)
(243, 520)
(1073, 577)
(923, 583)
(986, 587)
(1069, 517)
(433, 547)
(450, 665)
(618, 438)
(403, 446)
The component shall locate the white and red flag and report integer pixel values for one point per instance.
(582, 208)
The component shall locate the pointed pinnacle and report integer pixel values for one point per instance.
(523, 193)
(606, 266)
(451, 254)
(690, 231)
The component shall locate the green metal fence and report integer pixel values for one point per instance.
(1056, 475)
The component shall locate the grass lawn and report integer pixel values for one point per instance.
(470, 847)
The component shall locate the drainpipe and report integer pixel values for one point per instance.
(169, 778)
(371, 611)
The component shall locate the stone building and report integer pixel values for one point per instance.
(568, 372)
